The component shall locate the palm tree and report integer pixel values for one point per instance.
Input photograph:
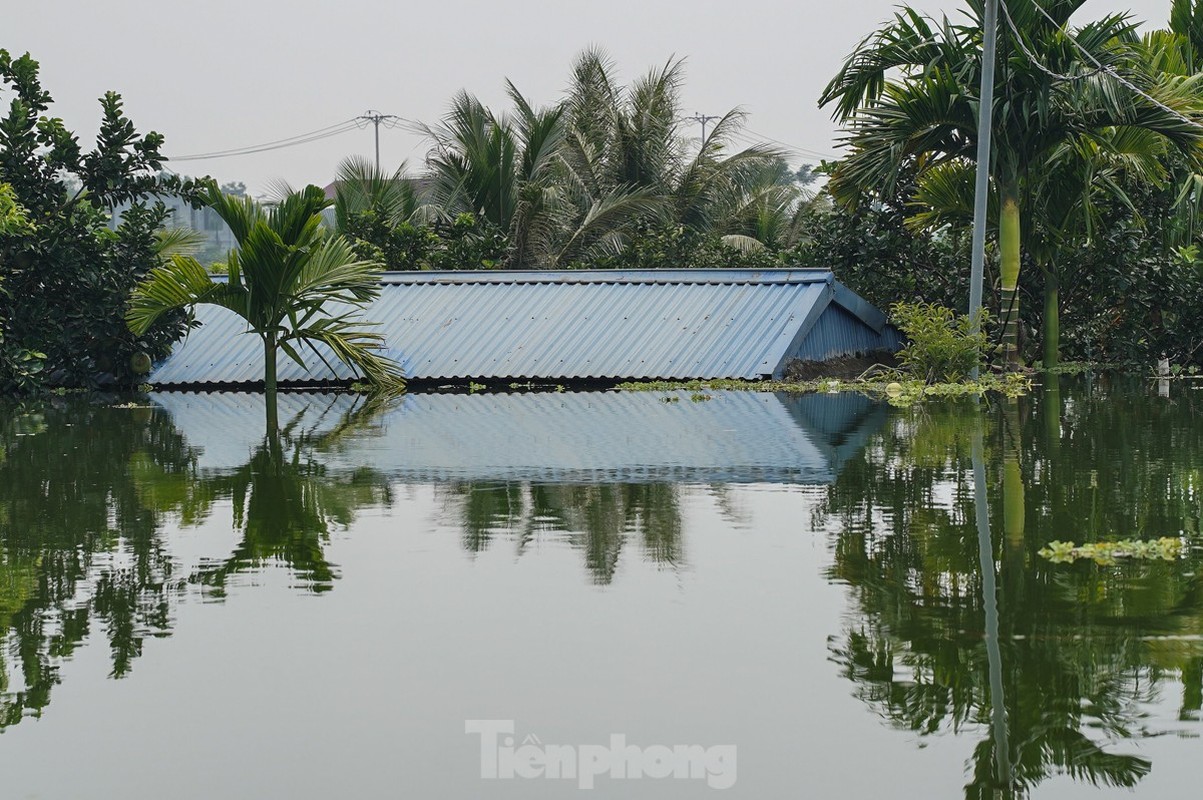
(1065, 197)
(908, 96)
(382, 214)
(571, 183)
(360, 186)
(634, 138)
(510, 171)
(285, 279)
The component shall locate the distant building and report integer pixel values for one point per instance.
(219, 240)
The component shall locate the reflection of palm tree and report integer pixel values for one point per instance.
(1048, 655)
(284, 500)
(598, 517)
(80, 548)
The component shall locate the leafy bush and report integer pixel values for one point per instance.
(942, 345)
(66, 272)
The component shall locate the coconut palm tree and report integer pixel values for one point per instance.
(634, 137)
(360, 186)
(572, 182)
(510, 172)
(908, 97)
(292, 283)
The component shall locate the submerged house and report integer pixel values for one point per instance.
(580, 325)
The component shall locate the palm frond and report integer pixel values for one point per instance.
(180, 241)
(180, 283)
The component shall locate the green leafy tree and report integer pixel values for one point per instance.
(1080, 650)
(66, 272)
(908, 98)
(285, 280)
(873, 250)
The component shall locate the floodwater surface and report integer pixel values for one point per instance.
(661, 594)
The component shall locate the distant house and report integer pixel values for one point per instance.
(571, 326)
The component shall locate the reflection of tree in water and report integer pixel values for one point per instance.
(599, 518)
(1081, 648)
(285, 500)
(84, 490)
(78, 550)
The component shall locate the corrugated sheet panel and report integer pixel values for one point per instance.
(839, 333)
(646, 324)
(549, 437)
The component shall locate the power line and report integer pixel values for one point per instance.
(1105, 69)
(375, 117)
(704, 119)
(752, 137)
(302, 138)
(1035, 61)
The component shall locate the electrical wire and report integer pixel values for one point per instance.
(1057, 76)
(753, 138)
(1103, 68)
(303, 138)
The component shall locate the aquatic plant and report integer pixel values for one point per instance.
(1167, 548)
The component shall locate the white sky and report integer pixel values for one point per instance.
(218, 74)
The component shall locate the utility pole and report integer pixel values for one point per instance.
(704, 120)
(376, 117)
(985, 121)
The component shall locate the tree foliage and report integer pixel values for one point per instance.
(1069, 101)
(607, 177)
(285, 279)
(65, 272)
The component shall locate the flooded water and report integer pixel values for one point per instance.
(654, 594)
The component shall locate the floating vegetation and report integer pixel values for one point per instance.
(1166, 548)
(895, 388)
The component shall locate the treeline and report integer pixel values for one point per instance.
(1093, 248)
(1095, 172)
(1096, 186)
(610, 176)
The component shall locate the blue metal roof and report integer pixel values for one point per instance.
(557, 437)
(566, 325)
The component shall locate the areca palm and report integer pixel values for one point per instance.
(909, 99)
(1062, 208)
(286, 279)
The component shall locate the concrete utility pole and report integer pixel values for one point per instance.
(985, 121)
(376, 117)
(704, 120)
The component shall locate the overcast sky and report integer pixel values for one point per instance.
(220, 74)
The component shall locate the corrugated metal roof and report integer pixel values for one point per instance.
(568, 325)
(547, 437)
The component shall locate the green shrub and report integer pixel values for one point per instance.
(942, 346)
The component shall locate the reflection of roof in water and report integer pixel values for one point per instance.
(736, 437)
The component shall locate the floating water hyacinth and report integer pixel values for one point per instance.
(1166, 548)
